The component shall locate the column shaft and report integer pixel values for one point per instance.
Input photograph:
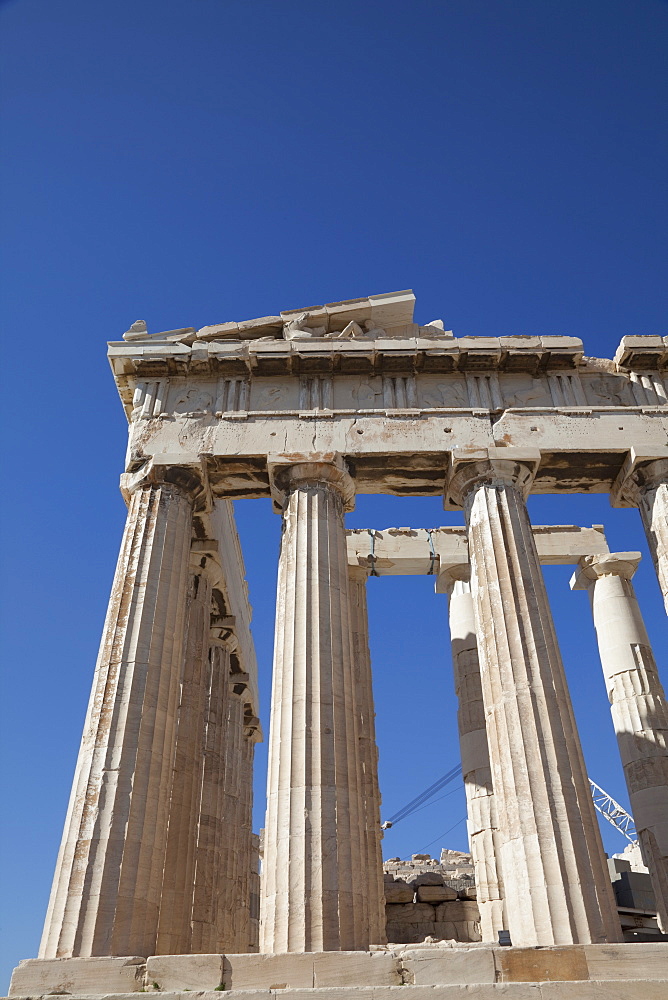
(232, 815)
(106, 891)
(211, 889)
(652, 498)
(555, 881)
(373, 893)
(638, 706)
(476, 768)
(314, 850)
(244, 936)
(175, 924)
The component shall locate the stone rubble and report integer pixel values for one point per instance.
(429, 898)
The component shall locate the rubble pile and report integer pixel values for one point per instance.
(430, 898)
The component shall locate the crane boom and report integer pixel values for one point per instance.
(613, 812)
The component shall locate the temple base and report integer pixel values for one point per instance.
(570, 972)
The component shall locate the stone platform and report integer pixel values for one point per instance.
(437, 972)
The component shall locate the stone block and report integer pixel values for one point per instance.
(606, 990)
(627, 961)
(398, 892)
(253, 971)
(538, 965)
(423, 929)
(469, 892)
(311, 970)
(419, 912)
(400, 933)
(433, 893)
(425, 878)
(445, 966)
(355, 968)
(453, 910)
(185, 972)
(36, 976)
(445, 930)
(450, 893)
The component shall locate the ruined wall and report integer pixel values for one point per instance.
(429, 898)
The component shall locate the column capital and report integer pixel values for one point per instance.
(223, 638)
(360, 573)
(157, 472)
(639, 472)
(592, 568)
(450, 576)
(317, 469)
(515, 467)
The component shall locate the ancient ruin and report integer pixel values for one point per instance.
(156, 883)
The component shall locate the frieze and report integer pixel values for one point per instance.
(192, 398)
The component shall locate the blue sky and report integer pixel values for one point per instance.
(194, 161)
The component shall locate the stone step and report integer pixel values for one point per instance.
(432, 967)
(634, 989)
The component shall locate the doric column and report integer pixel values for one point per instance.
(232, 811)
(644, 484)
(247, 863)
(175, 924)
(556, 885)
(374, 894)
(314, 838)
(637, 703)
(106, 891)
(238, 805)
(476, 769)
(212, 888)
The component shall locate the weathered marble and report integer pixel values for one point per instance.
(556, 886)
(213, 891)
(178, 879)
(476, 769)
(107, 887)
(373, 894)
(638, 705)
(314, 836)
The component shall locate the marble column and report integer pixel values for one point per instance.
(374, 893)
(476, 768)
(175, 924)
(232, 812)
(212, 891)
(106, 892)
(637, 703)
(648, 485)
(314, 857)
(556, 886)
(245, 936)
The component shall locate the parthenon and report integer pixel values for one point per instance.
(309, 408)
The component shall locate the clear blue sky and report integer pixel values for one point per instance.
(194, 161)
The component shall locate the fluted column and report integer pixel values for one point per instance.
(637, 703)
(212, 889)
(649, 485)
(232, 811)
(556, 885)
(106, 890)
(246, 860)
(314, 842)
(373, 894)
(476, 769)
(175, 924)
